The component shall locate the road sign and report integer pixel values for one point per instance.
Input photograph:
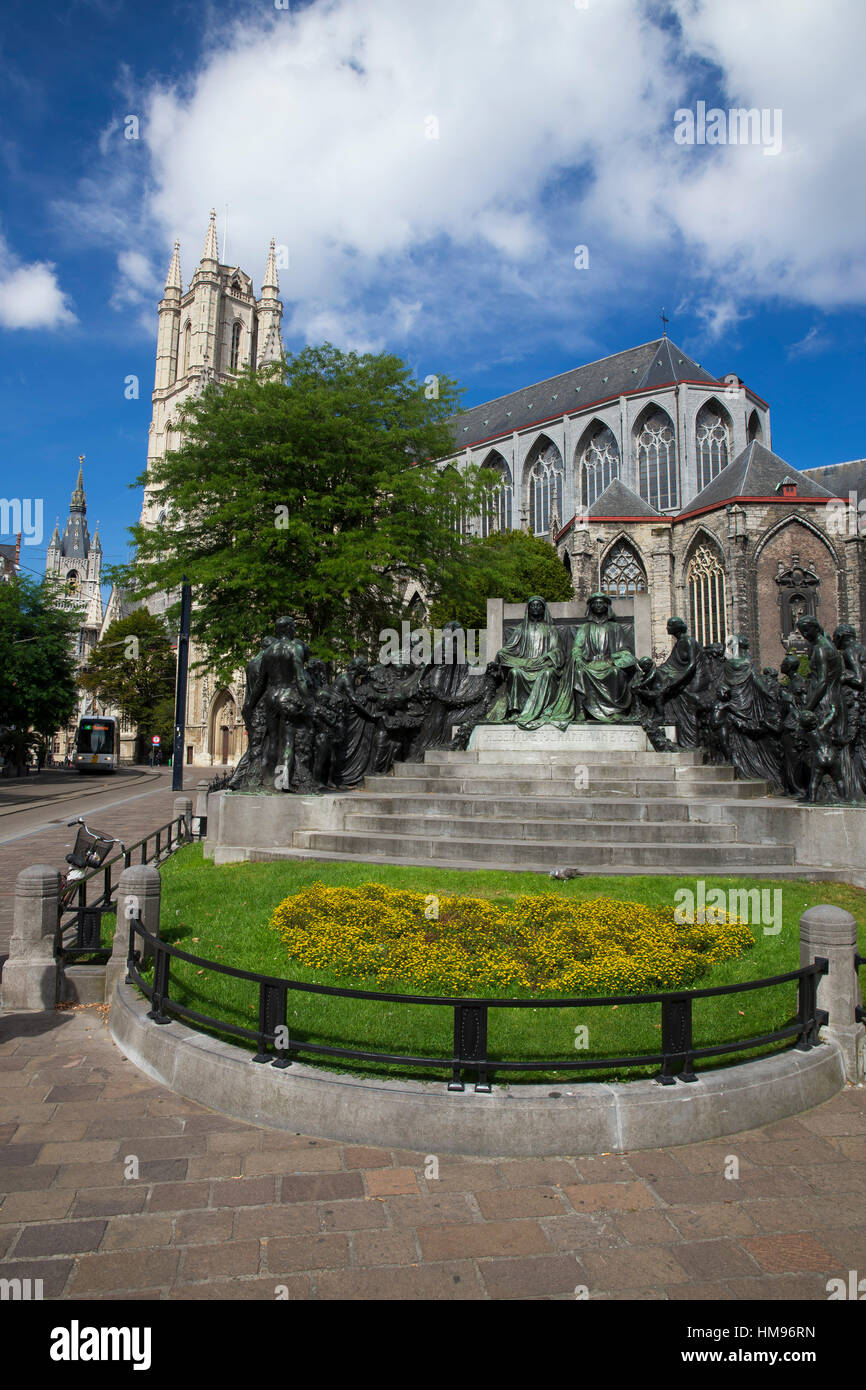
(155, 740)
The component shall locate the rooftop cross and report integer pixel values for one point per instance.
(665, 321)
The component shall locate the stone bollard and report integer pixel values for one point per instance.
(832, 932)
(139, 889)
(31, 976)
(201, 808)
(183, 807)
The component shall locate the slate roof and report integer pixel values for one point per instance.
(619, 500)
(756, 472)
(841, 478)
(651, 365)
(7, 554)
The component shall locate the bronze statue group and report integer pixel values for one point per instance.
(804, 735)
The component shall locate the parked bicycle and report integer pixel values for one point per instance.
(90, 850)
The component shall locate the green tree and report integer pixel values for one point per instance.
(510, 565)
(309, 488)
(133, 669)
(38, 692)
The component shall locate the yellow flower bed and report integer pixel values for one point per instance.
(546, 944)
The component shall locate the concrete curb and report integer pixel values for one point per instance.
(519, 1121)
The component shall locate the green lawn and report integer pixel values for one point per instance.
(222, 914)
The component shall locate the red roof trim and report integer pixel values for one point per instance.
(716, 506)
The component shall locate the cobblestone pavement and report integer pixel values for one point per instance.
(224, 1209)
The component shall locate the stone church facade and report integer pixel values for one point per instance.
(649, 475)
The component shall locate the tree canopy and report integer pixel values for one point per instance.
(309, 488)
(510, 565)
(133, 668)
(37, 662)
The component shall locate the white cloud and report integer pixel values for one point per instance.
(30, 296)
(814, 343)
(553, 127)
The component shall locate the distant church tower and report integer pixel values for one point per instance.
(209, 334)
(76, 561)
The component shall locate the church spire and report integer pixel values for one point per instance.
(211, 245)
(271, 280)
(173, 280)
(78, 501)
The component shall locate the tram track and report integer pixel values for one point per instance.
(76, 794)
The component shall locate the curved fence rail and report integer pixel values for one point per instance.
(79, 926)
(676, 1059)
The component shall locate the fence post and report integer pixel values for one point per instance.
(832, 932)
(183, 807)
(138, 895)
(201, 808)
(31, 975)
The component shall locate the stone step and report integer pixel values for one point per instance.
(718, 789)
(543, 854)
(565, 830)
(547, 772)
(516, 757)
(660, 808)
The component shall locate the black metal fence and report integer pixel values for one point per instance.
(79, 924)
(470, 1051)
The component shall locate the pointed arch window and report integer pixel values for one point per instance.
(712, 443)
(496, 512)
(599, 465)
(545, 490)
(706, 581)
(622, 574)
(657, 461)
(235, 353)
(755, 431)
(187, 346)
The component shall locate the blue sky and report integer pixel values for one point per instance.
(430, 170)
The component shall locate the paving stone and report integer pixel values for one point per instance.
(633, 1268)
(482, 1238)
(60, 1238)
(358, 1156)
(610, 1196)
(528, 1278)
(779, 1214)
(53, 1273)
(404, 1282)
(33, 1178)
(604, 1168)
(18, 1155)
(536, 1172)
(788, 1254)
(199, 1227)
(320, 1187)
(45, 1133)
(230, 1259)
(127, 1269)
(790, 1152)
(35, 1206)
(384, 1248)
(110, 1201)
(292, 1219)
(215, 1166)
(514, 1202)
(275, 1288)
(179, 1196)
(298, 1253)
(84, 1151)
(132, 1232)
(292, 1161)
(645, 1228)
(457, 1175)
(591, 1231)
(352, 1215)
(74, 1095)
(392, 1182)
(715, 1259)
(90, 1174)
(790, 1289)
(424, 1210)
(243, 1192)
(718, 1219)
(234, 1141)
(710, 1293)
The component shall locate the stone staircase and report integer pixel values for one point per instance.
(614, 811)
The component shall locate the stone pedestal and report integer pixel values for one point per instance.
(578, 738)
(139, 890)
(832, 932)
(31, 975)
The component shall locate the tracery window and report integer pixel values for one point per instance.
(599, 465)
(706, 580)
(496, 511)
(236, 347)
(545, 490)
(712, 444)
(657, 462)
(622, 574)
(755, 431)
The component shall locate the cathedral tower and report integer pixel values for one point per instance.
(76, 561)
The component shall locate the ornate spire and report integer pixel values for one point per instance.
(211, 246)
(78, 502)
(271, 281)
(173, 280)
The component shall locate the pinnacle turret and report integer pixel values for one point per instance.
(271, 280)
(173, 280)
(211, 245)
